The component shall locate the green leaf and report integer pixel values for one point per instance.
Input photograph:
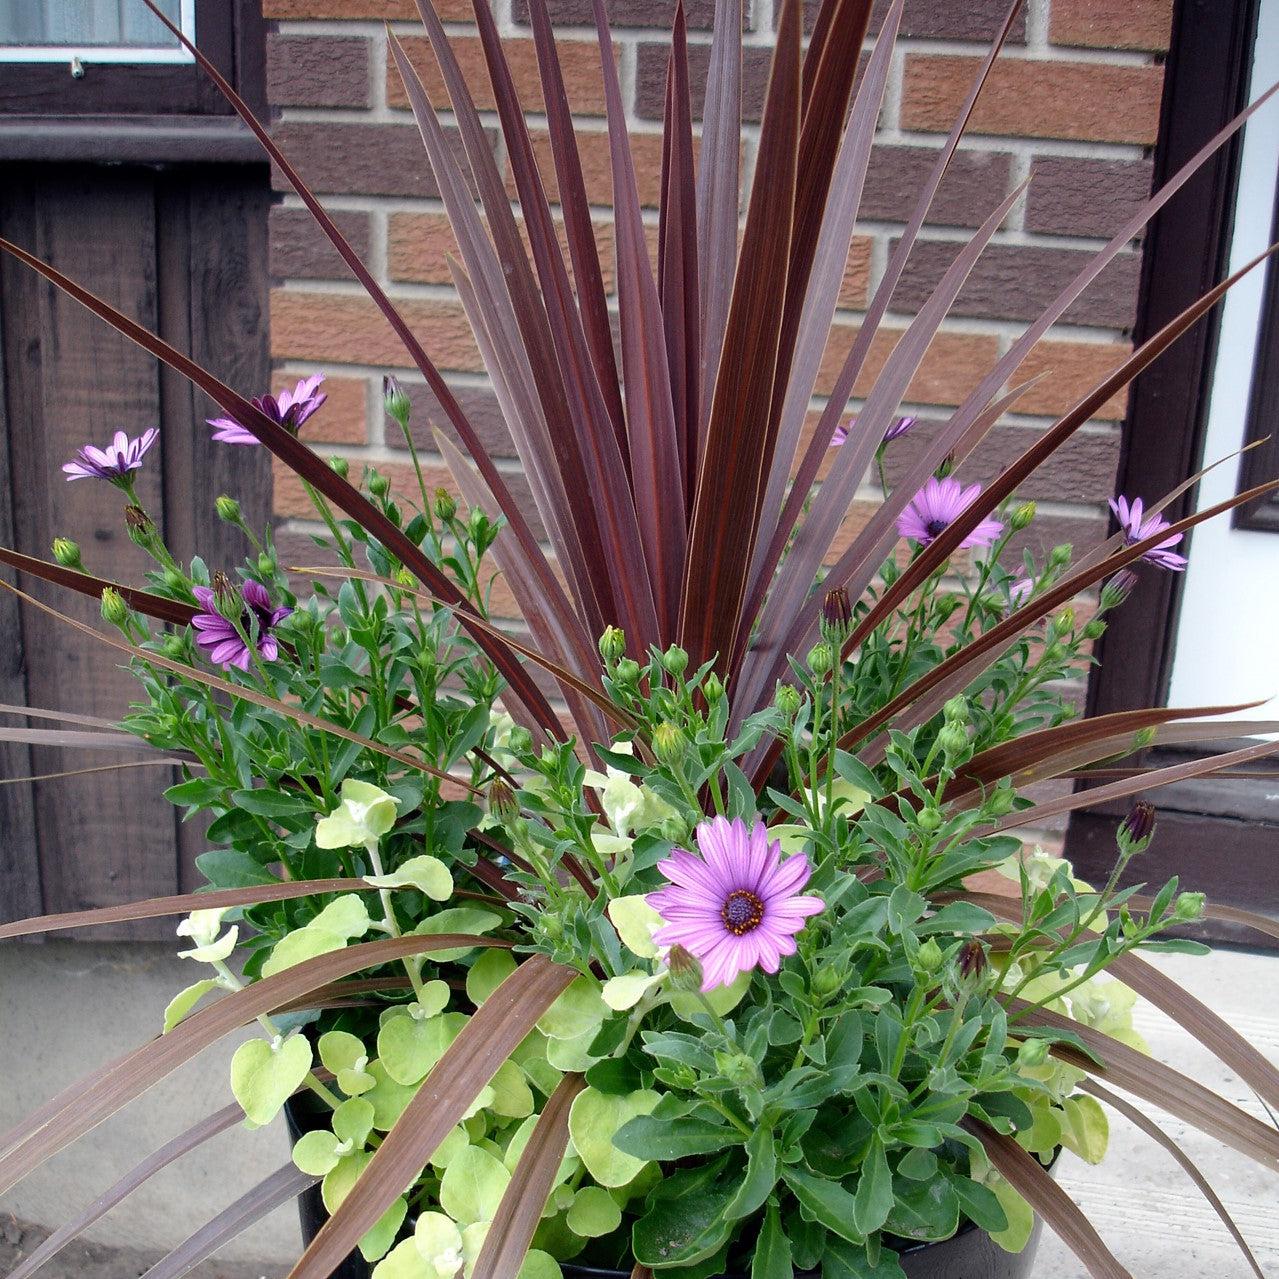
(409, 1046)
(594, 1120)
(685, 1221)
(264, 1077)
(230, 868)
(427, 874)
(185, 1000)
(457, 919)
(295, 948)
(760, 1177)
(578, 1011)
(771, 1258)
(979, 1204)
(874, 1198)
(924, 1210)
(665, 1136)
(473, 1185)
(826, 1202)
(270, 803)
(488, 972)
(594, 1212)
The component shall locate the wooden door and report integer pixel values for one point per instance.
(183, 251)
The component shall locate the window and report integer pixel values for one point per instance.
(76, 32)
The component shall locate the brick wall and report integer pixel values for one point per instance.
(1074, 101)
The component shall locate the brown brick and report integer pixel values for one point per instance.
(1071, 196)
(1092, 101)
(1073, 369)
(952, 366)
(854, 292)
(449, 10)
(974, 184)
(1017, 282)
(597, 173)
(700, 14)
(317, 71)
(351, 330)
(358, 159)
(300, 250)
(579, 61)
(482, 411)
(1111, 24)
(344, 417)
(940, 19)
(650, 78)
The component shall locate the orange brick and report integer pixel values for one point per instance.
(1092, 101)
(597, 172)
(953, 364)
(291, 501)
(1073, 369)
(344, 417)
(1111, 24)
(579, 62)
(854, 291)
(351, 330)
(449, 10)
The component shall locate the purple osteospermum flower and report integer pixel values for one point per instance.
(1136, 526)
(1020, 591)
(894, 432)
(938, 505)
(116, 462)
(290, 409)
(737, 906)
(219, 638)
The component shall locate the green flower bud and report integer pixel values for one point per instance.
(713, 689)
(405, 579)
(669, 743)
(173, 646)
(174, 580)
(929, 956)
(820, 659)
(739, 1069)
(379, 485)
(1065, 621)
(1095, 629)
(1022, 517)
(953, 740)
(1118, 588)
(519, 740)
(1189, 907)
(66, 552)
(445, 506)
(1032, 1053)
(928, 819)
(502, 802)
(828, 980)
(956, 710)
(340, 466)
(787, 700)
(971, 966)
(114, 609)
(685, 969)
(675, 661)
(266, 565)
(1137, 829)
(612, 645)
(1000, 802)
(140, 526)
(395, 400)
(627, 672)
(1059, 556)
(228, 509)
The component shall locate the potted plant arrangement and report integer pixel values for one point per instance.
(679, 967)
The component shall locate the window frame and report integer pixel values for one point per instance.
(72, 55)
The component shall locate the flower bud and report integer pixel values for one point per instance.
(1137, 829)
(827, 981)
(739, 1069)
(669, 743)
(928, 819)
(1000, 802)
(713, 689)
(1032, 1053)
(173, 646)
(837, 617)
(1059, 556)
(787, 700)
(502, 802)
(970, 966)
(820, 659)
(174, 580)
(445, 506)
(1094, 630)
(685, 969)
(395, 400)
(675, 661)
(627, 672)
(114, 609)
(519, 740)
(953, 740)
(1065, 621)
(612, 645)
(956, 710)
(1189, 907)
(379, 485)
(66, 552)
(1022, 517)
(140, 526)
(929, 956)
(405, 579)
(266, 564)
(228, 509)
(1118, 588)
(340, 466)
(227, 599)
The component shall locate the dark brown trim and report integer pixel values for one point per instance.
(1186, 250)
(125, 140)
(1262, 426)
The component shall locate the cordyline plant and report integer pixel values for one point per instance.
(679, 969)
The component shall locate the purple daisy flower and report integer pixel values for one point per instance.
(737, 906)
(938, 505)
(219, 638)
(290, 409)
(1136, 526)
(1020, 591)
(114, 463)
(894, 432)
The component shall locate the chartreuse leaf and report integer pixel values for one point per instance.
(487, 973)
(185, 1000)
(387, 1098)
(439, 1242)
(512, 1096)
(674, 1130)
(685, 1221)
(593, 1122)
(457, 919)
(339, 1182)
(296, 947)
(1085, 1130)
(265, 1075)
(1021, 1218)
(345, 1056)
(635, 921)
(539, 1265)
(771, 1258)
(347, 916)
(408, 1046)
(594, 1212)
(723, 999)
(353, 1121)
(621, 993)
(874, 1199)
(427, 874)
(571, 1054)
(318, 1152)
(760, 1177)
(473, 1185)
(578, 1011)
(826, 1202)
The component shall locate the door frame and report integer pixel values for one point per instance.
(1185, 254)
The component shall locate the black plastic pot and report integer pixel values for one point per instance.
(971, 1254)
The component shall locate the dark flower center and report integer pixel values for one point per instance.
(936, 528)
(743, 911)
